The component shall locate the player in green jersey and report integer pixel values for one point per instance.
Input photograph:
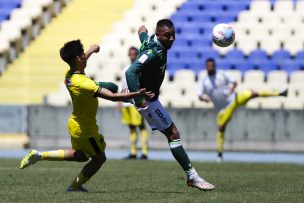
(148, 71)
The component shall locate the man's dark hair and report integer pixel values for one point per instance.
(164, 22)
(133, 48)
(210, 60)
(70, 51)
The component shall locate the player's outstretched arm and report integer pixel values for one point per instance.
(142, 33)
(142, 29)
(106, 94)
(93, 49)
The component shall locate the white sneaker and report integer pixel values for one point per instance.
(200, 183)
(32, 157)
(219, 159)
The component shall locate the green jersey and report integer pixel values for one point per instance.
(148, 70)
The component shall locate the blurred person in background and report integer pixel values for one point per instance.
(219, 88)
(131, 117)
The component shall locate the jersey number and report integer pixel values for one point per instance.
(161, 116)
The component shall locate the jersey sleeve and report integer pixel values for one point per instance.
(89, 85)
(133, 73)
(200, 88)
(228, 78)
(143, 36)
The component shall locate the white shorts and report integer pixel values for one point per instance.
(155, 114)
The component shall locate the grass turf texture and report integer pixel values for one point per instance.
(152, 181)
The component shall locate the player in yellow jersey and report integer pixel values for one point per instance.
(131, 117)
(86, 141)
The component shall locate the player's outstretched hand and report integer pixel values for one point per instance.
(94, 48)
(147, 95)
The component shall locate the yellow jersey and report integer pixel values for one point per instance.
(82, 122)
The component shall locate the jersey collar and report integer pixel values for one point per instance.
(158, 42)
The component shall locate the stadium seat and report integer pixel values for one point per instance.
(276, 77)
(236, 75)
(258, 55)
(254, 78)
(263, 6)
(296, 78)
(234, 54)
(286, 6)
(292, 103)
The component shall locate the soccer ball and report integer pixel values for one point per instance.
(223, 35)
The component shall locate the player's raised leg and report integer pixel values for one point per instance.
(57, 155)
(177, 149)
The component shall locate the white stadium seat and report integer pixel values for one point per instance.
(262, 6)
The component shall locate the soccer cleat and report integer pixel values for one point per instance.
(80, 189)
(131, 156)
(219, 159)
(200, 183)
(284, 93)
(32, 157)
(143, 157)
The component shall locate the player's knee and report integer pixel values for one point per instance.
(99, 159)
(172, 133)
(80, 156)
(222, 128)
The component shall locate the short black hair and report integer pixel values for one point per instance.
(210, 60)
(133, 48)
(70, 51)
(164, 22)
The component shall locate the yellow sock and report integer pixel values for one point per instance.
(144, 141)
(79, 181)
(268, 93)
(133, 139)
(220, 141)
(57, 155)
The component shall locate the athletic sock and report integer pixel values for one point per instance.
(79, 181)
(268, 93)
(57, 155)
(133, 139)
(144, 141)
(220, 142)
(182, 158)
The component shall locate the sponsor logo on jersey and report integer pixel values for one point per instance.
(143, 58)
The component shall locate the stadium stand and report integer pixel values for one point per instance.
(39, 70)
(268, 50)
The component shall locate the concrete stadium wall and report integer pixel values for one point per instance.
(249, 129)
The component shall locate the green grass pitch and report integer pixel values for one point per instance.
(152, 181)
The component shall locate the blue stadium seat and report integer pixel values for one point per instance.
(237, 6)
(290, 66)
(242, 65)
(181, 42)
(189, 6)
(201, 17)
(281, 54)
(258, 54)
(180, 18)
(223, 64)
(299, 55)
(209, 53)
(200, 43)
(267, 66)
(224, 17)
(235, 54)
(279, 57)
(6, 7)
